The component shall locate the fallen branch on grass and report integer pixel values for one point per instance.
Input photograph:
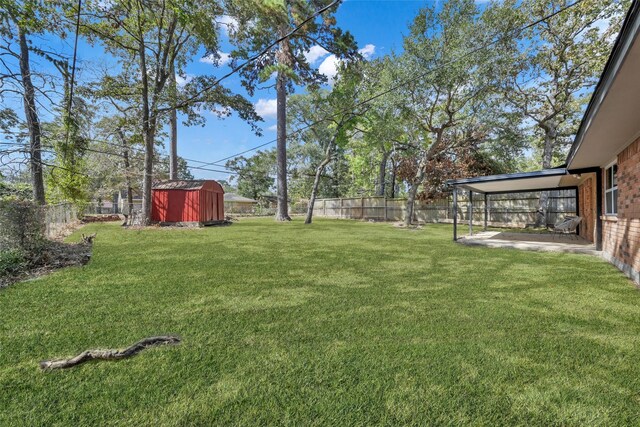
(88, 355)
(89, 238)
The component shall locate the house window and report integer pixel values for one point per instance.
(611, 190)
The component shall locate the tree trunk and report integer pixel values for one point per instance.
(411, 198)
(33, 122)
(382, 175)
(282, 213)
(173, 120)
(316, 183)
(148, 135)
(393, 178)
(550, 137)
(147, 181)
(127, 177)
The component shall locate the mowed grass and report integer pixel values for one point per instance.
(337, 323)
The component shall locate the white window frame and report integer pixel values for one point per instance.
(614, 189)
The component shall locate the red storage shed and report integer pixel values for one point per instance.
(184, 202)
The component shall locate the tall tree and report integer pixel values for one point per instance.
(329, 117)
(254, 175)
(548, 70)
(152, 36)
(258, 23)
(18, 21)
(379, 127)
(173, 124)
(441, 93)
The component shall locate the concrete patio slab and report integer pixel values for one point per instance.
(531, 242)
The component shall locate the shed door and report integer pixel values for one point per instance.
(220, 198)
(213, 203)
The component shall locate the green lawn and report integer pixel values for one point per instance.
(338, 323)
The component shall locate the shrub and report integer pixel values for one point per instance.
(21, 225)
(11, 261)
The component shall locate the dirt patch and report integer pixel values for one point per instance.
(53, 256)
(413, 227)
(102, 218)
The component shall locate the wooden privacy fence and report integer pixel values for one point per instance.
(514, 209)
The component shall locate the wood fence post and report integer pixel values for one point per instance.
(341, 208)
(324, 208)
(385, 209)
(362, 207)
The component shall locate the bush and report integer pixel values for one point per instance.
(21, 225)
(11, 261)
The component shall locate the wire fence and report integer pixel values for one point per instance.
(59, 218)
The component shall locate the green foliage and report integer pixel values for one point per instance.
(546, 72)
(21, 225)
(320, 149)
(11, 261)
(18, 191)
(253, 175)
(68, 178)
(260, 21)
(161, 168)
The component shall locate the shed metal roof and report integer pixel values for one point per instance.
(179, 185)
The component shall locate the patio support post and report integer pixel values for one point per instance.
(470, 213)
(599, 209)
(577, 190)
(455, 214)
(486, 210)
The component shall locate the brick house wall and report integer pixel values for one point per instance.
(621, 233)
(587, 208)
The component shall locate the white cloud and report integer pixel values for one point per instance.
(209, 59)
(227, 23)
(225, 58)
(329, 67)
(266, 107)
(183, 80)
(367, 51)
(273, 128)
(316, 52)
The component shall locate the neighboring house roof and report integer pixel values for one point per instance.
(232, 197)
(610, 122)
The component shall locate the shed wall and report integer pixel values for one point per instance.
(176, 206)
(211, 206)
